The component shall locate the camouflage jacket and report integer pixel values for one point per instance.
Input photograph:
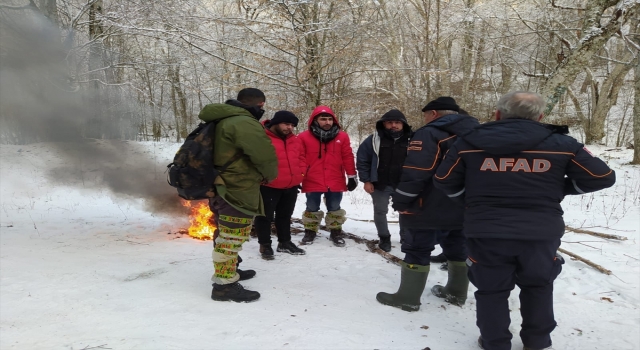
(238, 132)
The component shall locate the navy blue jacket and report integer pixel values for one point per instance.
(430, 208)
(367, 157)
(514, 173)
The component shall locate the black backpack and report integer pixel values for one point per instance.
(192, 172)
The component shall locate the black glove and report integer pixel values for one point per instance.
(352, 184)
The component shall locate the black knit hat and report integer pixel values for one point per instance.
(394, 114)
(283, 117)
(443, 103)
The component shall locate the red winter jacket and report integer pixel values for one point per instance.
(290, 160)
(326, 166)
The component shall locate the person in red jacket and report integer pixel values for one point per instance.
(279, 196)
(328, 157)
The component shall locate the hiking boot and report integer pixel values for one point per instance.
(309, 236)
(245, 274)
(455, 292)
(336, 237)
(266, 251)
(440, 258)
(385, 243)
(233, 292)
(412, 281)
(289, 247)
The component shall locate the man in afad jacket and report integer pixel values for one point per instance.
(512, 174)
(238, 137)
(427, 216)
(279, 196)
(379, 163)
(328, 158)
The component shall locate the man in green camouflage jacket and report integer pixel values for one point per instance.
(238, 135)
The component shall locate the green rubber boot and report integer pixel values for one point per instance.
(455, 292)
(412, 281)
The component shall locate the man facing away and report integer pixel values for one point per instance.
(239, 138)
(379, 163)
(328, 157)
(428, 217)
(513, 173)
(279, 196)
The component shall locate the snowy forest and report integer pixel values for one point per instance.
(142, 70)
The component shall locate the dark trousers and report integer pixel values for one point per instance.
(496, 267)
(380, 200)
(417, 244)
(332, 201)
(282, 202)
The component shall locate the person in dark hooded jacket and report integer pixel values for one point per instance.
(427, 216)
(513, 173)
(379, 163)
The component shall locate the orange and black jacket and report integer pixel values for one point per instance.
(430, 208)
(514, 173)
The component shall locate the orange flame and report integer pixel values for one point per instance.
(201, 219)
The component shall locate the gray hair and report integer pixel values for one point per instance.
(445, 112)
(521, 104)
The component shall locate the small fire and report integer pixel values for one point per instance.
(201, 219)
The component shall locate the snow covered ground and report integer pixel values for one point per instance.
(86, 264)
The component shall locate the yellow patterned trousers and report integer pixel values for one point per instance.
(233, 228)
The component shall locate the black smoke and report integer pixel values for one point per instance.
(46, 95)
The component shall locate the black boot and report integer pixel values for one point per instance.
(266, 251)
(385, 243)
(245, 274)
(233, 292)
(309, 236)
(336, 237)
(289, 247)
(412, 281)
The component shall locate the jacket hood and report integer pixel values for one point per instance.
(319, 110)
(458, 124)
(393, 114)
(217, 111)
(511, 135)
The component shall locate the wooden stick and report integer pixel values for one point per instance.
(363, 220)
(597, 234)
(373, 247)
(371, 244)
(586, 261)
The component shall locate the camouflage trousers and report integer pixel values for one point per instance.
(233, 228)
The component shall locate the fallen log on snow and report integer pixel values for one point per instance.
(586, 261)
(371, 244)
(597, 234)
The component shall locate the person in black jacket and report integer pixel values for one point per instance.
(513, 173)
(379, 163)
(427, 216)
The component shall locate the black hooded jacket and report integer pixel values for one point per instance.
(430, 208)
(514, 173)
(380, 157)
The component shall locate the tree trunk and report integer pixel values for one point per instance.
(636, 114)
(49, 8)
(594, 128)
(595, 37)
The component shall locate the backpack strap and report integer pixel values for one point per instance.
(229, 162)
